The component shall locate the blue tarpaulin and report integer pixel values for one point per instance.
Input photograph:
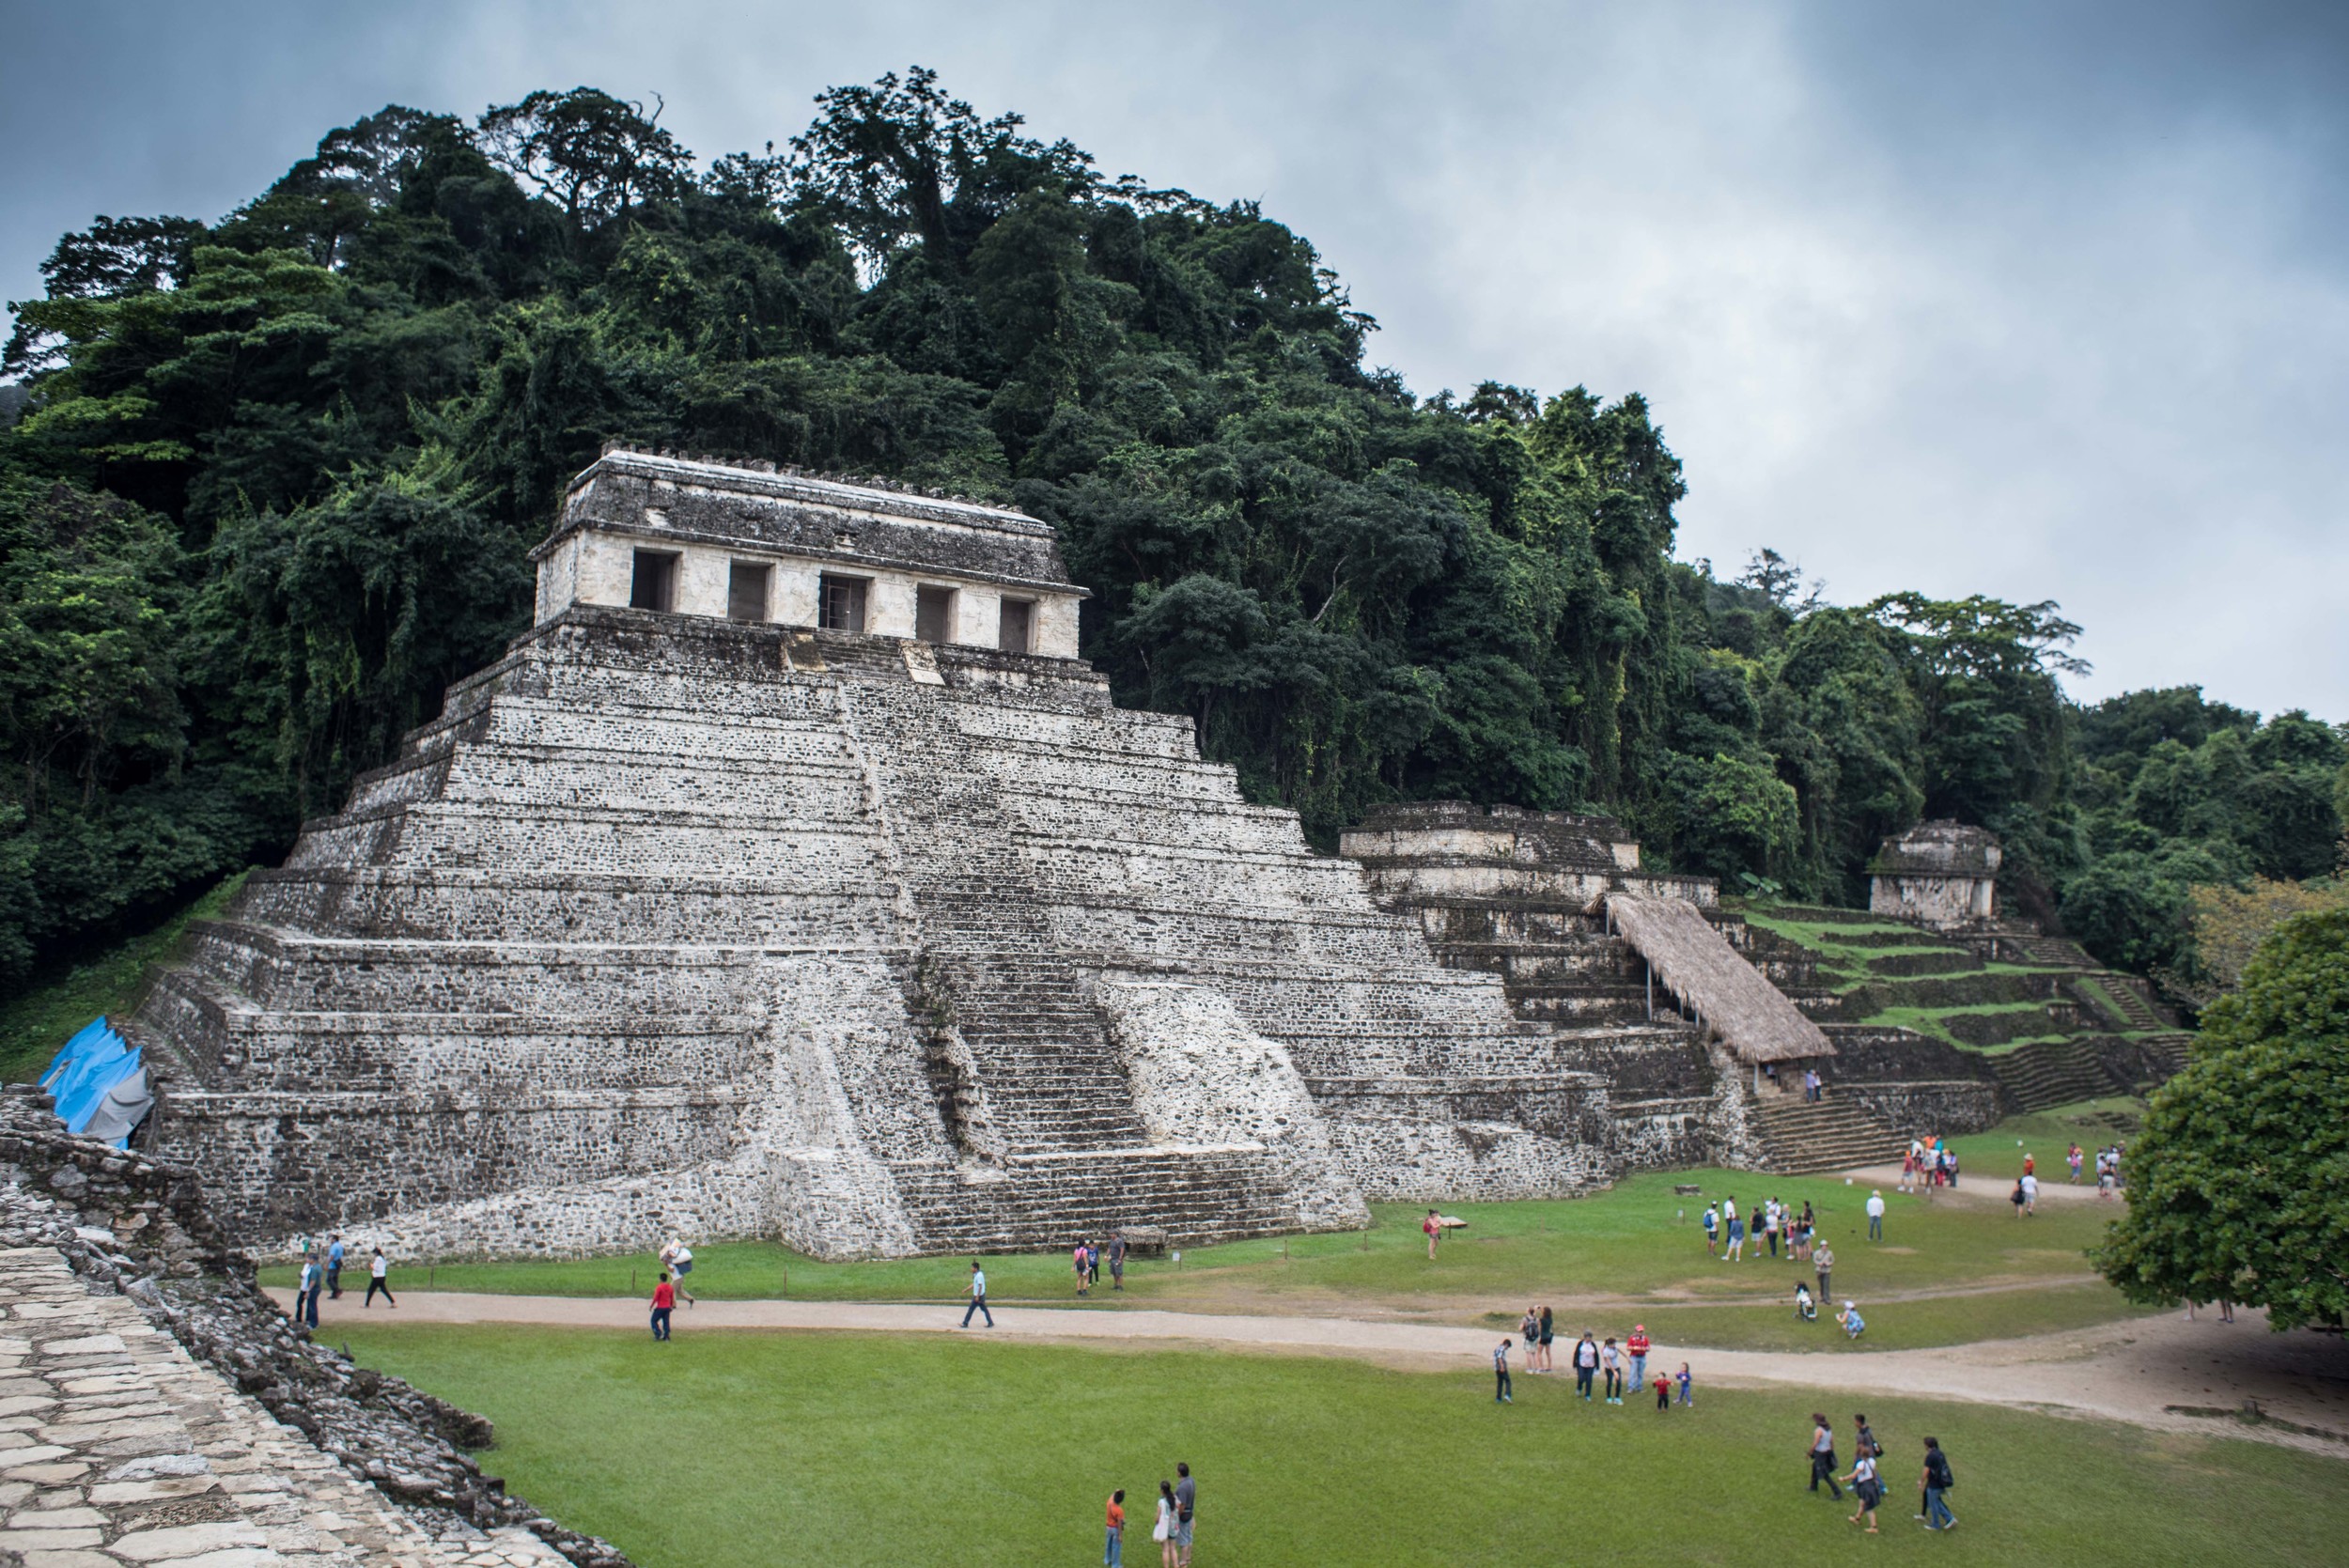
(99, 1085)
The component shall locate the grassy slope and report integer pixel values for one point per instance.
(36, 1023)
(1630, 1242)
(735, 1449)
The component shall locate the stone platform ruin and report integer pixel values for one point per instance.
(791, 877)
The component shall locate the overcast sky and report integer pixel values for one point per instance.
(2040, 302)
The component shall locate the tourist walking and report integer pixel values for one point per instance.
(2073, 1160)
(677, 1259)
(663, 1303)
(1163, 1531)
(978, 1297)
(1118, 1261)
(335, 1269)
(379, 1278)
(1937, 1479)
(1866, 1488)
(1113, 1553)
(1637, 1347)
(1186, 1513)
(1823, 1265)
(1586, 1365)
(1863, 1438)
(1611, 1361)
(2030, 1194)
(1823, 1456)
(1433, 1228)
(1875, 1214)
(1501, 1375)
(306, 1290)
(2015, 1197)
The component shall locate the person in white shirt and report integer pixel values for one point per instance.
(677, 1259)
(978, 1297)
(378, 1271)
(2030, 1193)
(1875, 1215)
(1866, 1488)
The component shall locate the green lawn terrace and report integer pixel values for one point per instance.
(1951, 1269)
(725, 1450)
(2035, 1014)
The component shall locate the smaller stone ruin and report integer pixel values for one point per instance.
(1943, 875)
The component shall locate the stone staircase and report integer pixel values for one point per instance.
(1804, 1138)
(2051, 1073)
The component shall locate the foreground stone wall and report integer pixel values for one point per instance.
(164, 1413)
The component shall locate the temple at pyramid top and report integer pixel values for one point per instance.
(696, 538)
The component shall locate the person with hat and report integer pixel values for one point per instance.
(1637, 1349)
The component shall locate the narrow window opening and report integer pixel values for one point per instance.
(1018, 623)
(655, 583)
(934, 614)
(747, 587)
(842, 603)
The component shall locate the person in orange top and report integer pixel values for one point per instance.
(1113, 1555)
(663, 1303)
(1637, 1349)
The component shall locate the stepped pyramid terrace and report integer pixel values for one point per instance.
(791, 877)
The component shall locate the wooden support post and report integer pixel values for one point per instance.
(1651, 990)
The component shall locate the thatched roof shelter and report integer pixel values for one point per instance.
(1729, 996)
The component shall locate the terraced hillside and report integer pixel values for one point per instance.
(2037, 1012)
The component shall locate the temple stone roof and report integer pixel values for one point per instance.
(1940, 848)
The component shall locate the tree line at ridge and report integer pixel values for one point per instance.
(270, 483)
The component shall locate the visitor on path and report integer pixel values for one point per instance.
(1434, 1228)
(1806, 1310)
(2030, 1194)
(1118, 1261)
(1866, 1488)
(1113, 1553)
(1908, 1171)
(335, 1269)
(1610, 1362)
(2030, 1166)
(1547, 1332)
(1163, 1531)
(677, 1259)
(1937, 1479)
(307, 1288)
(663, 1303)
(1823, 1456)
(1688, 1386)
(1637, 1347)
(1081, 1286)
(1875, 1214)
(379, 1278)
(1712, 1229)
(1530, 1326)
(1501, 1375)
(1823, 1267)
(1186, 1508)
(2072, 1159)
(1854, 1326)
(2015, 1197)
(978, 1297)
(1586, 1365)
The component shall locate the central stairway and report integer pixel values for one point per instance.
(1801, 1138)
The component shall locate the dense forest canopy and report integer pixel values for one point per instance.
(270, 483)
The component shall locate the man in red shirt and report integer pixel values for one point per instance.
(1636, 1348)
(663, 1303)
(1113, 1555)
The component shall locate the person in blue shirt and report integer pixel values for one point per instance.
(335, 1269)
(307, 1292)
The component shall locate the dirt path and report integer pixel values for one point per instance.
(1977, 1188)
(2137, 1372)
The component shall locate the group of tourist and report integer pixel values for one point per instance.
(1930, 1163)
(1622, 1367)
(1087, 1258)
(1178, 1504)
(322, 1275)
(1866, 1481)
(1772, 1221)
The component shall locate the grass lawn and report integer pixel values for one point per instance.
(1638, 1246)
(2045, 1135)
(49, 1012)
(752, 1448)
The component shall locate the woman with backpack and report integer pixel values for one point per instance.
(1938, 1480)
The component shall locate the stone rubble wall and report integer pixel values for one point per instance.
(160, 1411)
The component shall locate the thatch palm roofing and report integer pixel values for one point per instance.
(1751, 1017)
